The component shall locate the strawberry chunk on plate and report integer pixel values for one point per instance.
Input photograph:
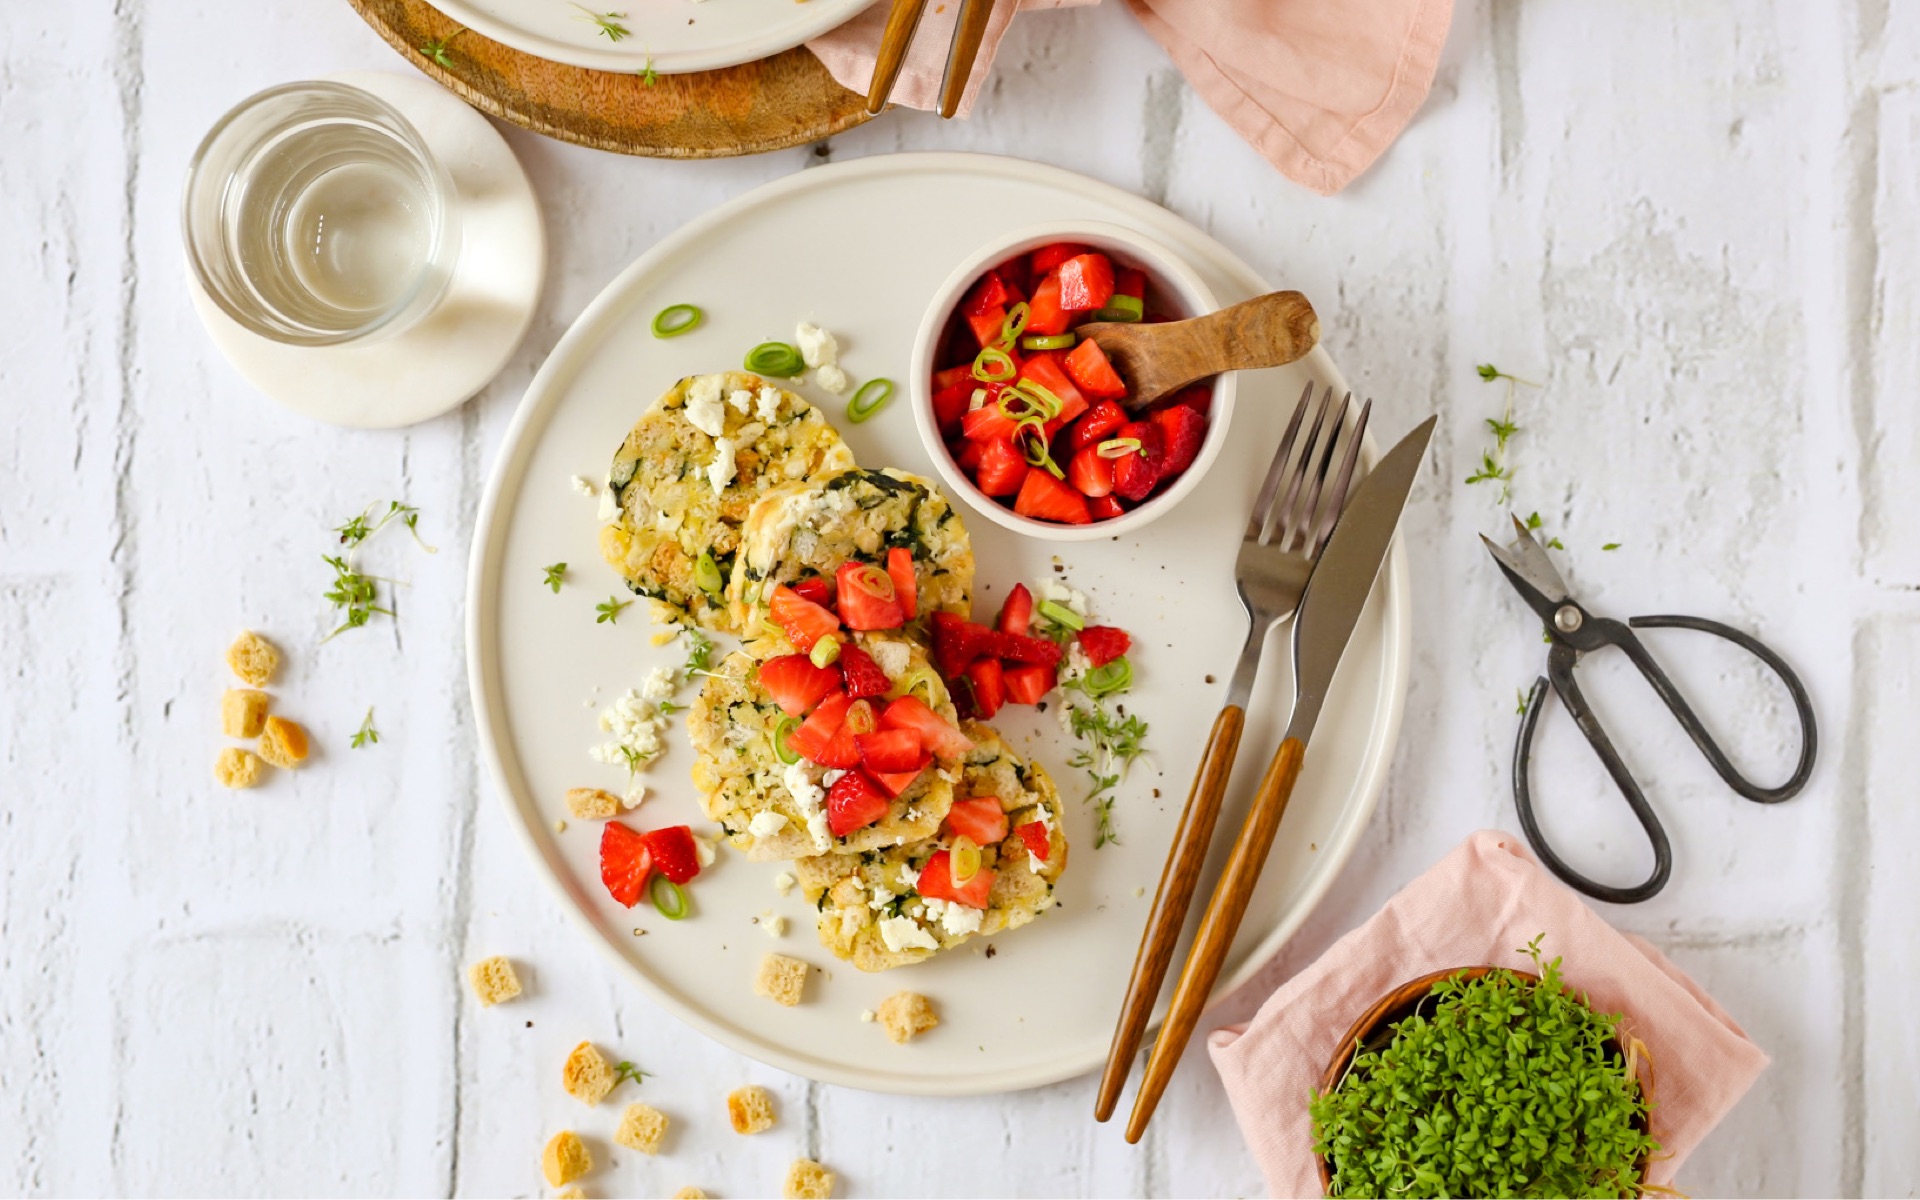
(1016, 611)
(1045, 498)
(1034, 834)
(844, 750)
(889, 751)
(796, 685)
(906, 589)
(936, 882)
(1137, 472)
(1002, 468)
(979, 818)
(1104, 643)
(986, 685)
(853, 803)
(1090, 474)
(910, 712)
(1027, 683)
(804, 621)
(625, 862)
(815, 734)
(863, 676)
(896, 782)
(674, 853)
(814, 589)
(957, 642)
(1184, 429)
(867, 598)
(1024, 648)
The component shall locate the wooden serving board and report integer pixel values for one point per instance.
(782, 101)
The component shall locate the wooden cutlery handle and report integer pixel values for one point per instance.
(968, 30)
(902, 20)
(1217, 927)
(1184, 860)
(1266, 331)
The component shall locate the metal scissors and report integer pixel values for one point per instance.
(1573, 632)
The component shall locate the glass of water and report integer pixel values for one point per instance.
(315, 215)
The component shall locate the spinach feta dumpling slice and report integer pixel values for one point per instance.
(855, 515)
(775, 803)
(689, 472)
(992, 868)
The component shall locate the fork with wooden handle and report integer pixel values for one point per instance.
(1288, 526)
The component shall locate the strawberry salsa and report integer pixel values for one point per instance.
(1036, 415)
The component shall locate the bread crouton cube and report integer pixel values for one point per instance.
(642, 1128)
(236, 768)
(781, 979)
(592, 804)
(565, 1159)
(807, 1180)
(253, 659)
(905, 1015)
(493, 980)
(243, 712)
(750, 1109)
(587, 1076)
(283, 743)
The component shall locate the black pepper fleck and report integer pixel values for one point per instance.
(990, 953)
(1209, 679)
(1042, 706)
(529, 1024)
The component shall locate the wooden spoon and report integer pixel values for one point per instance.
(1155, 360)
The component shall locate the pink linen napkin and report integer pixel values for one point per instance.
(1319, 87)
(1477, 906)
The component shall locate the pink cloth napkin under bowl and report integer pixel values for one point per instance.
(1319, 87)
(1477, 906)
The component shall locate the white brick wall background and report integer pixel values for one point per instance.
(1694, 224)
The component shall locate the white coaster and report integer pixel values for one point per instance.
(452, 352)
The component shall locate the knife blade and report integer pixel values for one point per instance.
(1343, 578)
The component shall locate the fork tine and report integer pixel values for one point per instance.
(1256, 520)
(1278, 522)
(1299, 534)
(1337, 496)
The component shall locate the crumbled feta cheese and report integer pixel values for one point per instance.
(635, 725)
(584, 486)
(1060, 593)
(809, 795)
(784, 882)
(881, 898)
(909, 877)
(766, 404)
(773, 925)
(831, 778)
(669, 522)
(746, 433)
(1034, 864)
(741, 399)
(635, 793)
(705, 410)
(832, 378)
(893, 657)
(609, 504)
(903, 933)
(957, 919)
(721, 470)
(868, 1016)
(766, 824)
(818, 348)
(659, 684)
(703, 850)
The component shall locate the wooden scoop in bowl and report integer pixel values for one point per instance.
(1156, 360)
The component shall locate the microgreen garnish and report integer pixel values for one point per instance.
(667, 708)
(553, 575)
(356, 594)
(623, 1071)
(699, 653)
(1503, 1060)
(1611, 546)
(437, 48)
(359, 528)
(610, 610)
(1520, 701)
(1534, 522)
(608, 22)
(1489, 372)
(1494, 467)
(648, 75)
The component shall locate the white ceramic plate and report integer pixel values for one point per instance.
(858, 247)
(674, 35)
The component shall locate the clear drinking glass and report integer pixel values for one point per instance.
(315, 215)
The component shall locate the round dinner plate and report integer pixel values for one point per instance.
(858, 248)
(673, 36)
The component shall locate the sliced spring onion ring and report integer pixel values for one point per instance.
(826, 652)
(923, 682)
(676, 319)
(993, 365)
(667, 897)
(706, 575)
(780, 734)
(1047, 341)
(1108, 678)
(1015, 323)
(965, 861)
(1018, 404)
(1121, 308)
(1032, 441)
(1061, 615)
(777, 359)
(1117, 447)
(868, 399)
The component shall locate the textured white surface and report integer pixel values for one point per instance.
(1696, 228)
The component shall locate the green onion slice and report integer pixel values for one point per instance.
(1108, 678)
(667, 897)
(1061, 615)
(780, 734)
(1121, 308)
(1033, 447)
(777, 359)
(868, 399)
(1047, 341)
(1016, 322)
(1117, 447)
(993, 365)
(706, 575)
(923, 682)
(676, 319)
(825, 652)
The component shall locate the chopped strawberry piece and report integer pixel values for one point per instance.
(863, 676)
(987, 424)
(1046, 258)
(1137, 472)
(1086, 364)
(1045, 370)
(990, 293)
(906, 588)
(979, 818)
(866, 597)
(1090, 474)
(1016, 274)
(1184, 430)
(936, 882)
(1104, 643)
(889, 751)
(625, 862)
(987, 326)
(1198, 397)
(895, 782)
(814, 589)
(804, 621)
(910, 712)
(1100, 423)
(946, 377)
(1044, 314)
(674, 852)
(1002, 468)
(1028, 683)
(1086, 282)
(968, 454)
(844, 750)
(796, 685)
(1034, 834)
(815, 734)
(1105, 508)
(986, 687)
(950, 406)
(1045, 498)
(1130, 281)
(957, 642)
(853, 803)
(1022, 648)
(1016, 612)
